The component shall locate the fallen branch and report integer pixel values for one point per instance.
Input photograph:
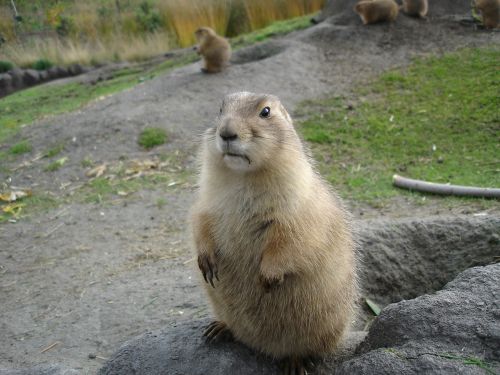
(444, 189)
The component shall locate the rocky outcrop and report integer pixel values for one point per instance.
(17, 79)
(455, 330)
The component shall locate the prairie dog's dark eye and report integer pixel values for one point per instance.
(220, 111)
(265, 112)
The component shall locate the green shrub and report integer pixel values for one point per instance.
(148, 19)
(5, 66)
(42, 64)
(151, 137)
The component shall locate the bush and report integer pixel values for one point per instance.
(42, 64)
(151, 137)
(5, 66)
(148, 19)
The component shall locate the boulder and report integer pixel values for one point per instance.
(405, 258)
(75, 69)
(5, 84)
(31, 77)
(44, 75)
(17, 77)
(56, 72)
(454, 331)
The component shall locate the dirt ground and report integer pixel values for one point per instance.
(83, 278)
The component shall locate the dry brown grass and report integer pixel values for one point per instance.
(98, 32)
(65, 52)
(185, 16)
(261, 13)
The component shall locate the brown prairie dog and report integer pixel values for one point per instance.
(216, 50)
(373, 11)
(490, 11)
(273, 241)
(415, 8)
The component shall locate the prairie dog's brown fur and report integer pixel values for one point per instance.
(216, 50)
(490, 11)
(415, 8)
(271, 237)
(373, 11)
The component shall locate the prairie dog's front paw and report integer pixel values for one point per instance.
(271, 282)
(208, 267)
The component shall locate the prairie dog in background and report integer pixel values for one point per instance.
(373, 11)
(415, 8)
(273, 241)
(215, 50)
(490, 12)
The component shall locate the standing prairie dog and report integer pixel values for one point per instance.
(415, 8)
(216, 50)
(490, 12)
(273, 241)
(373, 11)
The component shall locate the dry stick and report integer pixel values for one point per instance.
(430, 187)
(50, 347)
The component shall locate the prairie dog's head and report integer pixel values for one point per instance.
(204, 32)
(361, 6)
(251, 132)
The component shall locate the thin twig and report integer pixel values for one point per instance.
(50, 347)
(53, 230)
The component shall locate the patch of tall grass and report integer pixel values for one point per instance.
(65, 51)
(95, 31)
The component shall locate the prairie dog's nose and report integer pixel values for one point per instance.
(228, 133)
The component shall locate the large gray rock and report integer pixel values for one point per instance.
(31, 77)
(17, 77)
(5, 84)
(182, 350)
(455, 331)
(403, 259)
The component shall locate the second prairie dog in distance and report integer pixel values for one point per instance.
(373, 11)
(490, 12)
(274, 243)
(215, 50)
(415, 8)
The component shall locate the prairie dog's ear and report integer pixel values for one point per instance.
(285, 113)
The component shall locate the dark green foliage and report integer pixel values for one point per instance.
(5, 66)
(42, 64)
(148, 18)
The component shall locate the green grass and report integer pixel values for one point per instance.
(27, 106)
(437, 120)
(55, 165)
(20, 148)
(152, 137)
(275, 29)
(53, 151)
(30, 205)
